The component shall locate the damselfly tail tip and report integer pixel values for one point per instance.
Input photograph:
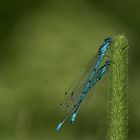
(73, 118)
(59, 127)
(72, 122)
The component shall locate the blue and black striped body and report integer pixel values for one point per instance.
(102, 51)
(95, 75)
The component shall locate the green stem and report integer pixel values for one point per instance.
(117, 128)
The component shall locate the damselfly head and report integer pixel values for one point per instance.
(105, 45)
(107, 63)
(108, 40)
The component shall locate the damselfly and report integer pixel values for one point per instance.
(88, 79)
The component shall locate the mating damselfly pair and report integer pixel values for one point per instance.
(92, 73)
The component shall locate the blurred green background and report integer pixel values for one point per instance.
(44, 45)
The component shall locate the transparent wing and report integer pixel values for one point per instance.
(101, 71)
(103, 76)
(73, 94)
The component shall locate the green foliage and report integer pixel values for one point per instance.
(118, 98)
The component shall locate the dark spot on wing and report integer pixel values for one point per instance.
(65, 93)
(72, 94)
(61, 104)
(67, 106)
